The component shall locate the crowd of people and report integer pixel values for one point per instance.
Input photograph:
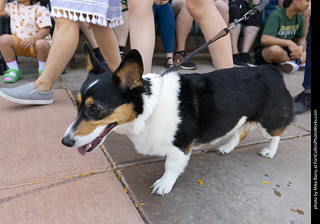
(281, 35)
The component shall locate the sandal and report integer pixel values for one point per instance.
(13, 78)
(168, 65)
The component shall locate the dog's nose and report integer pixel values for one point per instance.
(68, 141)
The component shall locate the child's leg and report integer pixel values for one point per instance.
(42, 48)
(7, 47)
(7, 44)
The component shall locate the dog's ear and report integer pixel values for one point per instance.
(93, 64)
(129, 73)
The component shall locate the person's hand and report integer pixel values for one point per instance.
(295, 50)
(27, 43)
(160, 2)
(255, 2)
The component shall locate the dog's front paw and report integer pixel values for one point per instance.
(225, 149)
(267, 152)
(162, 186)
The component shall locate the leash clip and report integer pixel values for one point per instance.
(178, 60)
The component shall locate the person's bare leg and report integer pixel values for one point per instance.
(234, 35)
(64, 43)
(275, 54)
(122, 31)
(223, 8)
(42, 47)
(183, 23)
(249, 35)
(108, 45)
(142, 31)
(88, 32)
(211, 23)
(6, 47)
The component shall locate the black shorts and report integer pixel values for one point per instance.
(259, 59)
(237, 8)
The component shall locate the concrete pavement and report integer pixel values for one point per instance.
(41, 181)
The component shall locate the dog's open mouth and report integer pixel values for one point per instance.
(97, 141)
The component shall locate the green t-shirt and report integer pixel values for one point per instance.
(280, 26)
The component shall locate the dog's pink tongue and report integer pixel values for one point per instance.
(82, 150)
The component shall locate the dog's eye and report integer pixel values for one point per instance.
(95, 109)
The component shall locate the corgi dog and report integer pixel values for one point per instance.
(171, 115)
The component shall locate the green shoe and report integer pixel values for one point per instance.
(7, 78)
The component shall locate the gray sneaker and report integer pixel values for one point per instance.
(27, 94)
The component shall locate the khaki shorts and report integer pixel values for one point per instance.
(20, 51)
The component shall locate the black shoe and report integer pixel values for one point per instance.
(122, 51)
(188, 65)
(99, 56)
(167, 64)
(122, 54)
(302, 102)
(246, 59)
(237, 61)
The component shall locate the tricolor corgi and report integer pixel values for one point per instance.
(171, 115)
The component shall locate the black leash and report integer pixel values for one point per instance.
(178, 60)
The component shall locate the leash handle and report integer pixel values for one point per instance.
(178, 60)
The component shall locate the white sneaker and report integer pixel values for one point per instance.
(288, 66)
(302, 66)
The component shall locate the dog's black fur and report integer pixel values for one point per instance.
(211, 104)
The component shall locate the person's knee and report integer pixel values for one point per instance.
(192, 7)
(273, 54)
(196, 7)
(178, 5)
(41, 46)
(276, 51)
(6, 40)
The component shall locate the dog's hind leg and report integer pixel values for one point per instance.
(174, 166)
(272, 148)
(237, 137)
(229, 146)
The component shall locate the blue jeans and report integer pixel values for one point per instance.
(166, 22)
(307, 72)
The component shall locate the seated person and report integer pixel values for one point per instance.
(237, 8)
(277, 44)
(30, 25)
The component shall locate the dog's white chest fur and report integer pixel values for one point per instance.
(152, 132)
